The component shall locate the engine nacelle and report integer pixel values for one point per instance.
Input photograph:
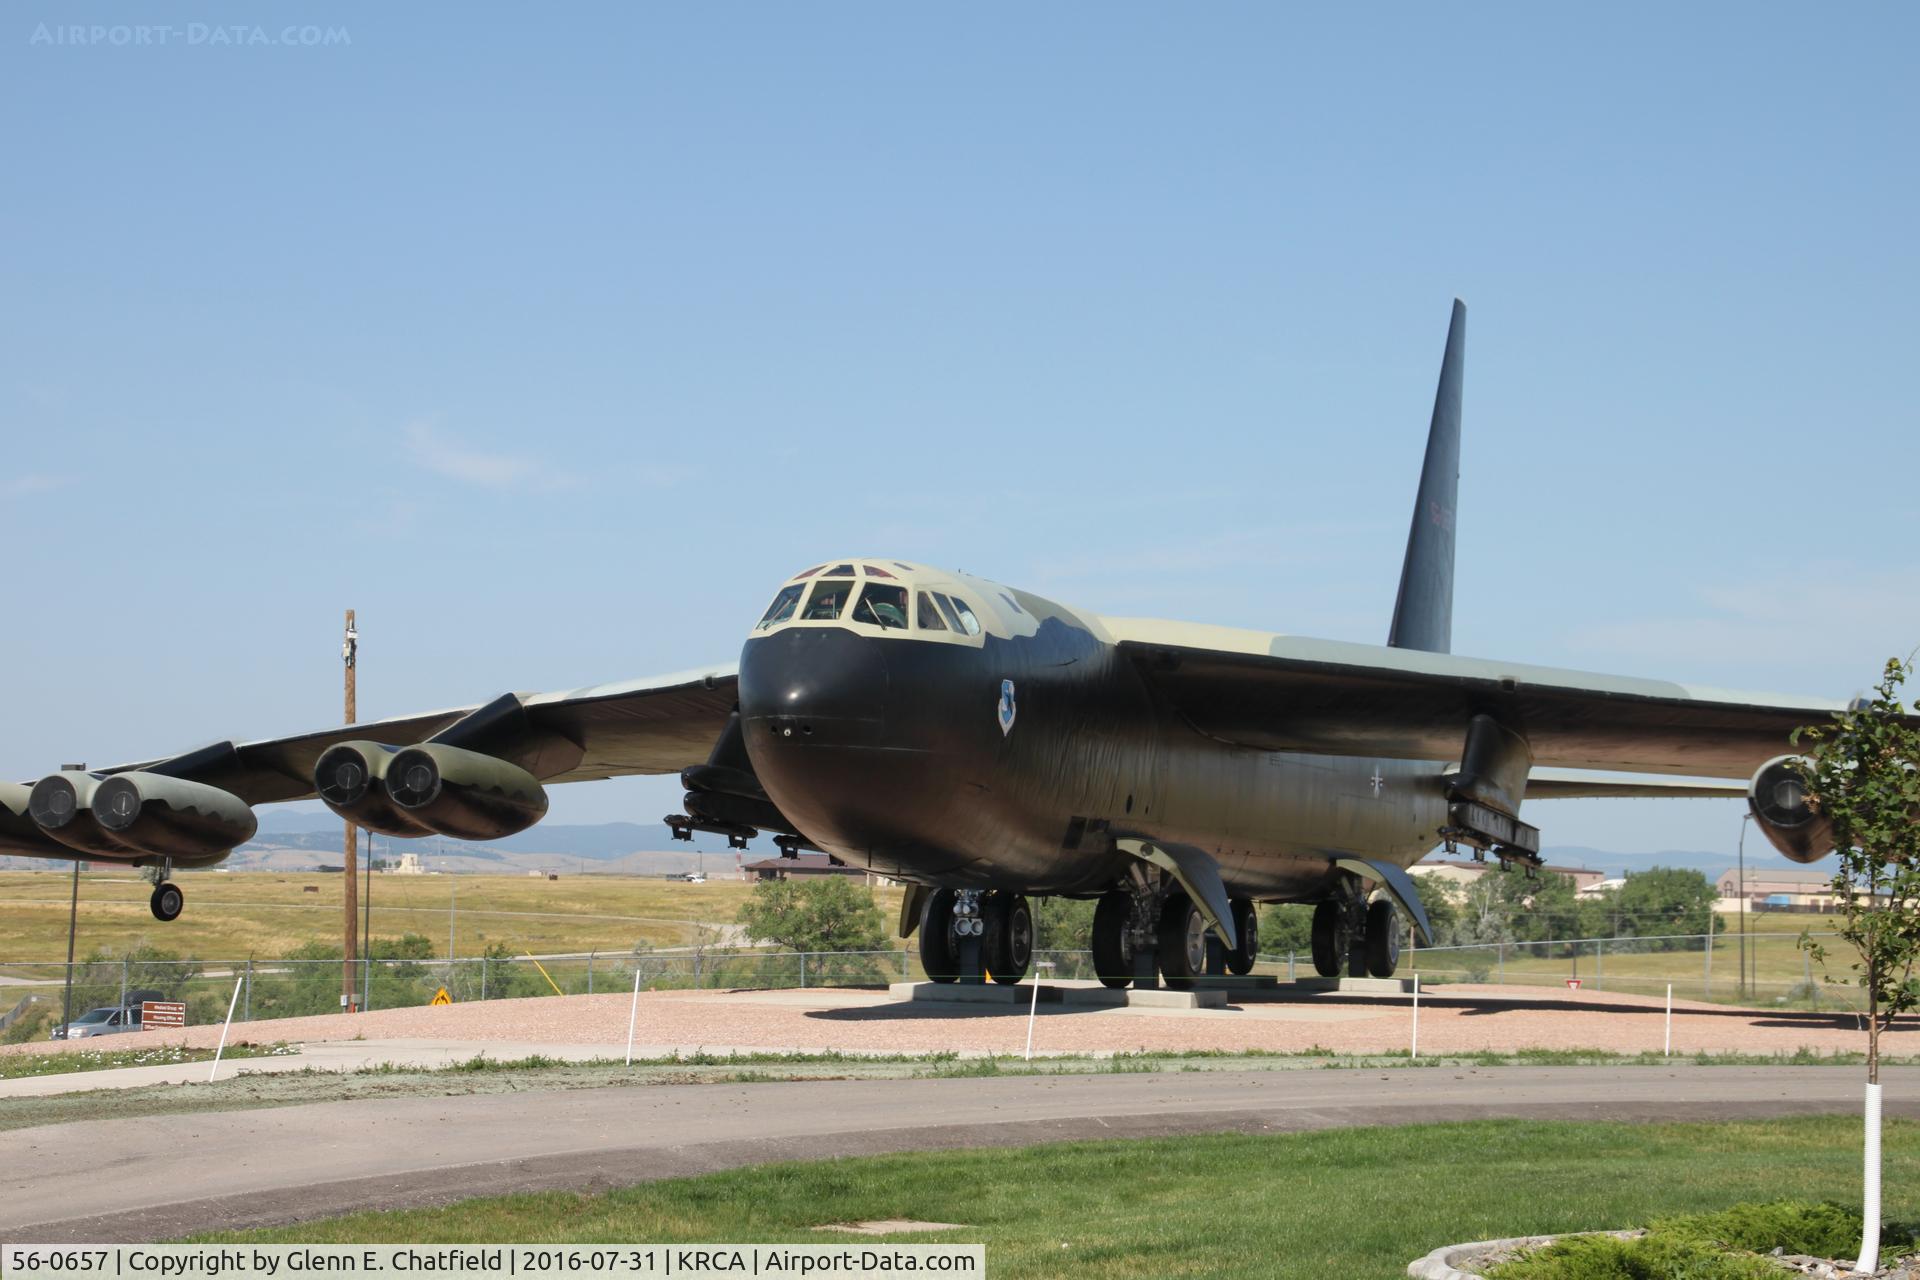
(465, 794)
(163, 817)
(1778, 798)
(61, 805)
(19, 833)
(351, 779)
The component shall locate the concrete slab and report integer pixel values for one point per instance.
(967, 993)
(1161, 998)
(1082, 994)
(1347, 987)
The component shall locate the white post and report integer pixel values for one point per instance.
(633, 1014)
(1870, 1209)
(1033, 1008)
(229, 1022)
(1413, 1050)
(1668, 1052)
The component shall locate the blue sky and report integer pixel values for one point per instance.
(552, 344)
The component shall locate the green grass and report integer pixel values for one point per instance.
(1349, 1203)
(14, 1066)
(1710, 1246)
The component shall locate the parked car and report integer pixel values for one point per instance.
(107, 1020)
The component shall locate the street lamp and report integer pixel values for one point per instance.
(1744, 819)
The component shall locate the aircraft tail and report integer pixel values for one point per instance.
(1423, 611)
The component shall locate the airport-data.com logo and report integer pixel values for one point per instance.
(190, 35)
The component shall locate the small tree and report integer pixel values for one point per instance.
(824, 914)
(1862, 774)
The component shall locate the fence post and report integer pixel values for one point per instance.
(123, 982)
(1707, 982)
(590, 972)
(698, 980)
(249, 1012)
(803, 971)
(483, 976)
(1600, 964)
(1500, 962)
(1289, 966)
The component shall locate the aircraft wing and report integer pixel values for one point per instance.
(1284, 693)
(659, 724)
(1576, 784)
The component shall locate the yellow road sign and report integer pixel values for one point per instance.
(441, 997)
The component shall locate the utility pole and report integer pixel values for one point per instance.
(350, 949)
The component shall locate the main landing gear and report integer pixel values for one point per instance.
(167, 901)
(1360, 936)
(1140, 933)
(970, 934)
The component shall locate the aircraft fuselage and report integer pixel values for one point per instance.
(1015, 762)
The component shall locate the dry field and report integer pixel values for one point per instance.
(233, 915)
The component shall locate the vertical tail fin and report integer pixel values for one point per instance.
(1423, 611)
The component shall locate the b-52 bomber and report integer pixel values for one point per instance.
(983, 745)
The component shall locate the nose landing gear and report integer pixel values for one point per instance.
(967, 935)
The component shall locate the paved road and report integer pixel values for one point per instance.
(145, 1179)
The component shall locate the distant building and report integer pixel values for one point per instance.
(1771, 889)
(805, 866)
(1461, 871)
(408, 864)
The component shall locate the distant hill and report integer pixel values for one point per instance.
(1760, 855)
(295, 841)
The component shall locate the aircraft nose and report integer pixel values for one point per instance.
(814, 684)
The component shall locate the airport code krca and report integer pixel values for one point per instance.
(515, 1262)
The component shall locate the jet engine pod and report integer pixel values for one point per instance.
(462, 793)
(351, 780)
(61, 805)
(165, 817)
(1778, 798)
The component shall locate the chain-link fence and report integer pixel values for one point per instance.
(1763, 969)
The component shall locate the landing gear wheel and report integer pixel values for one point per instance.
(167, 901)
(1246, 926)
(937, 955)
(1183, 943)
(1112, 940)
(1383, 939)
(1329, 939)
(1009, 937)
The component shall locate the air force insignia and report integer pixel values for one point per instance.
(1007, 707)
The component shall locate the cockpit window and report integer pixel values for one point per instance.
(782, 607)
(928, 616)
(968, 623)
(829, 598)
(842, 570)
(810, 572)
(882, 606)
(946, 607)
(875, 571)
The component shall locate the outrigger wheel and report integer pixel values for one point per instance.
(167, 901)
(937, 955)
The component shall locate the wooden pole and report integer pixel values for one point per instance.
(350, 881)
